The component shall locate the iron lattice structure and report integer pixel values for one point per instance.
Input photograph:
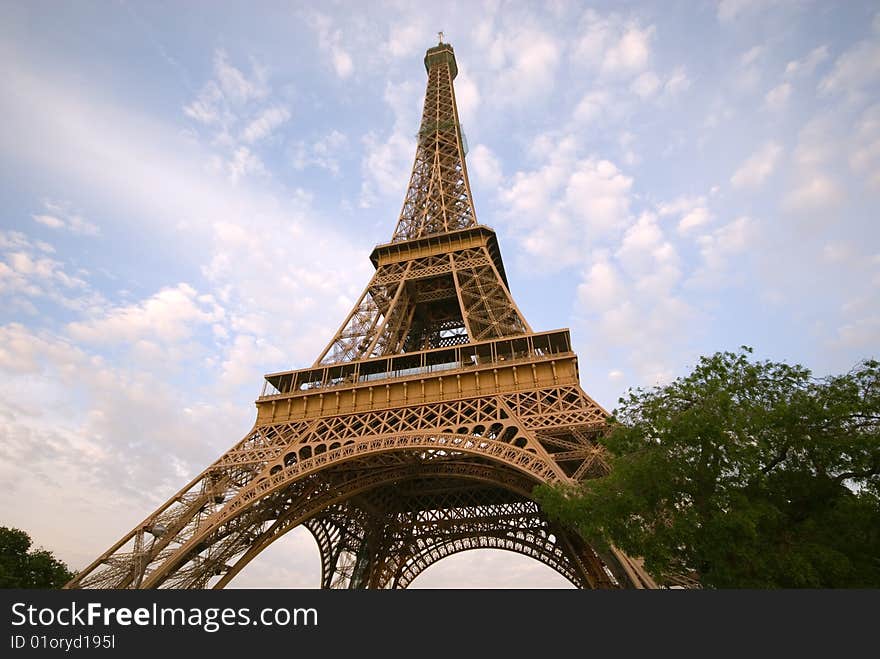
(420, 430)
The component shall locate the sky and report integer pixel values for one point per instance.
(190, 192)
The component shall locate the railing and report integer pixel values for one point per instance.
(462, 357)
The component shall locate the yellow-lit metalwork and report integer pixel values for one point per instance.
(419, 431)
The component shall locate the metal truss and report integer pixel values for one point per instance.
(438, 198)
(288, 474)
(389, 548)
(419, 432)
(428, 302)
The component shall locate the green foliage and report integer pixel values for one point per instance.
(20, 568)
(743, 474)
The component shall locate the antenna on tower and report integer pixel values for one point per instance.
(440, 36)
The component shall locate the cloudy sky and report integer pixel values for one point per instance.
(190, 192)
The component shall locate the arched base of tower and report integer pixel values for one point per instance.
(385, 536)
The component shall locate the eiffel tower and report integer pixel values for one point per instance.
(420, 430)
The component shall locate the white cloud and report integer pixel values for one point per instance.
(593, 105)
(330, 40)
(818, 143)
(239, 112)
(806, 66)
(677, 82)
(103, 443)
(747, 76)
(488, 37)
(857, 322)
(860, 334)
(530, 58)
(818, 147)
(325, 152)
(171, 315)
(717, 248)
(631, 53)
(23, 264)
(220, 98)
(387, 163)
(49, 221)
(692, 212)
(27, 274)
(613, 46)
(777, 98)
(330, 143)
(386, 166)
(467, 96)
(237, 367)
(77, 224)
(626, 140)
(602, 287)
(751, 55)
(730, 10)
(864, 157)
(646, 84)
(838, 252)
(342, 62)
(237, 85)
(598, 194)
(309, 294)
(648, 258)
(694, 218)
(207, 107)
(14, 282)
(485, 165)
(148, 172)
(405, 40)
(627, 301)
(813, 192)
(405, 101)
(59, 216)
(641, 239)
(22, 352)
(758, 167)
(267, 121)
(243, 162)
(631, 299)
(854, 70)
(679, 205)
(564, 205)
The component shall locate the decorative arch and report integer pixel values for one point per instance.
(460, 470)
(486, 542)
(247, 506)
(223, 528)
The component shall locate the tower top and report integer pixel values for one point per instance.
(442, 53)
(438, 198)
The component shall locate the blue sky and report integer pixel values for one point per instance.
(190, 192)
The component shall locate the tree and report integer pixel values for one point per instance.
(20, 568)
(743, 475)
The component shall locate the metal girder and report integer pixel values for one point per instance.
(401, 304)
(438, 198)
(418, 433)
(233, 511)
